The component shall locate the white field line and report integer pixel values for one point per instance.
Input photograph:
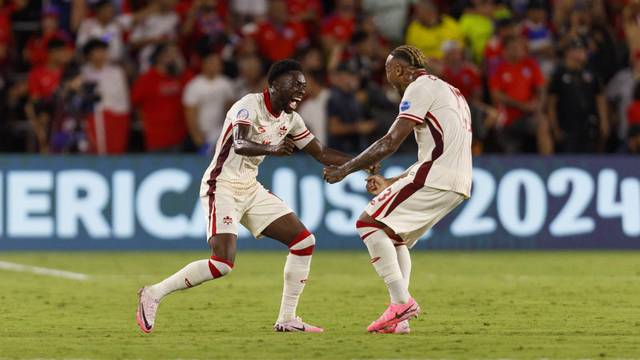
(5, 265)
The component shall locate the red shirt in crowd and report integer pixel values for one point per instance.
(339, 28)
(37, 46)
(303, 6)
(466, 79)
(519, 81)
(633, 113)
(277, 43)
(159, 98)
(5, 24)
(43, 81)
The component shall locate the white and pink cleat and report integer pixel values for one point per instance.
(296, 325)
(395, 314)
(147, 308)
(400, 328)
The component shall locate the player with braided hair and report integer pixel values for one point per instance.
(408, 205)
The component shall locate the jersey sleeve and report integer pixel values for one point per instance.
(415, 103)
(242, 113)
(299, 132)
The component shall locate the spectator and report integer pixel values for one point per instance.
(158, 27)
(314, 108)
(204, 27)
(157, 95)
(206, 99)
(430, 29)
(347, 125)
(539, 36)
(307, 12)
(5, 23)
(339, 26)
(43, 82)
(577, 106)
(620, 91)
(277, 37)
(105, 26)
(390, 17)
(363, 58)
(108, 124)
(311, 59)
(36, 50)
(493, 51)
(250, 78)
(249, 10)
(476, 24)
(517, 88)
(466, 77)
(633, 116)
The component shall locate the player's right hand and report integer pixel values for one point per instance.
(375, 184)
(285, 148)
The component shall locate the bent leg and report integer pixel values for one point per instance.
(290, 231)
(223, 250)
(379, 240)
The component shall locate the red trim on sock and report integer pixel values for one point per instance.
(303, 252)
(214, 270)
(361, 224)
(367, 234)
(216, 258)
(303, 235)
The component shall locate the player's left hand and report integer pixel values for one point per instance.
(332, 174)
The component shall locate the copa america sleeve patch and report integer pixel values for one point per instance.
(405, 105)
(243, 114)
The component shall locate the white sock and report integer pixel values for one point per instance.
(296, 271)
(385, 261)
(191, 275)
(404, 260)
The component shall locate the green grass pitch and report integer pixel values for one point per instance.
(483, 305)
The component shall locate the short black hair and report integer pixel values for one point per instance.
(100, 4)
(157, 52)
(56, 43)
(282, 67)
(93, 44)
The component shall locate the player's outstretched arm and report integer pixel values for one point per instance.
(245, 147)
(377, 152)
(324, 154)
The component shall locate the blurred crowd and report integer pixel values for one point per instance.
(119, 76)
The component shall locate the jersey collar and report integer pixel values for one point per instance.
(420, 73)
(267, 103)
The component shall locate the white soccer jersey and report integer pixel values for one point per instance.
(266, 128)
(443, 136)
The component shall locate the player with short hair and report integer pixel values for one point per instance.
(256, 126)
(408, 205)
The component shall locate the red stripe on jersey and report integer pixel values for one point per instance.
(421, 175)
(303, 235)
(216, 258)
(433, 118)
(411, 118)
(361, 224)
(267, 103)
(301, 136)
(222, 157)
(375, 214)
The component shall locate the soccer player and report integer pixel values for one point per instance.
(256, 126)
(408, 205)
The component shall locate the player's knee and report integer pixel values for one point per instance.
(219, 267)
(367, 227)
(303, 244)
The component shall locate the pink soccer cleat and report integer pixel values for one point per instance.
(394, 314)
(400, 328)
(147, 308)
(296, 325)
